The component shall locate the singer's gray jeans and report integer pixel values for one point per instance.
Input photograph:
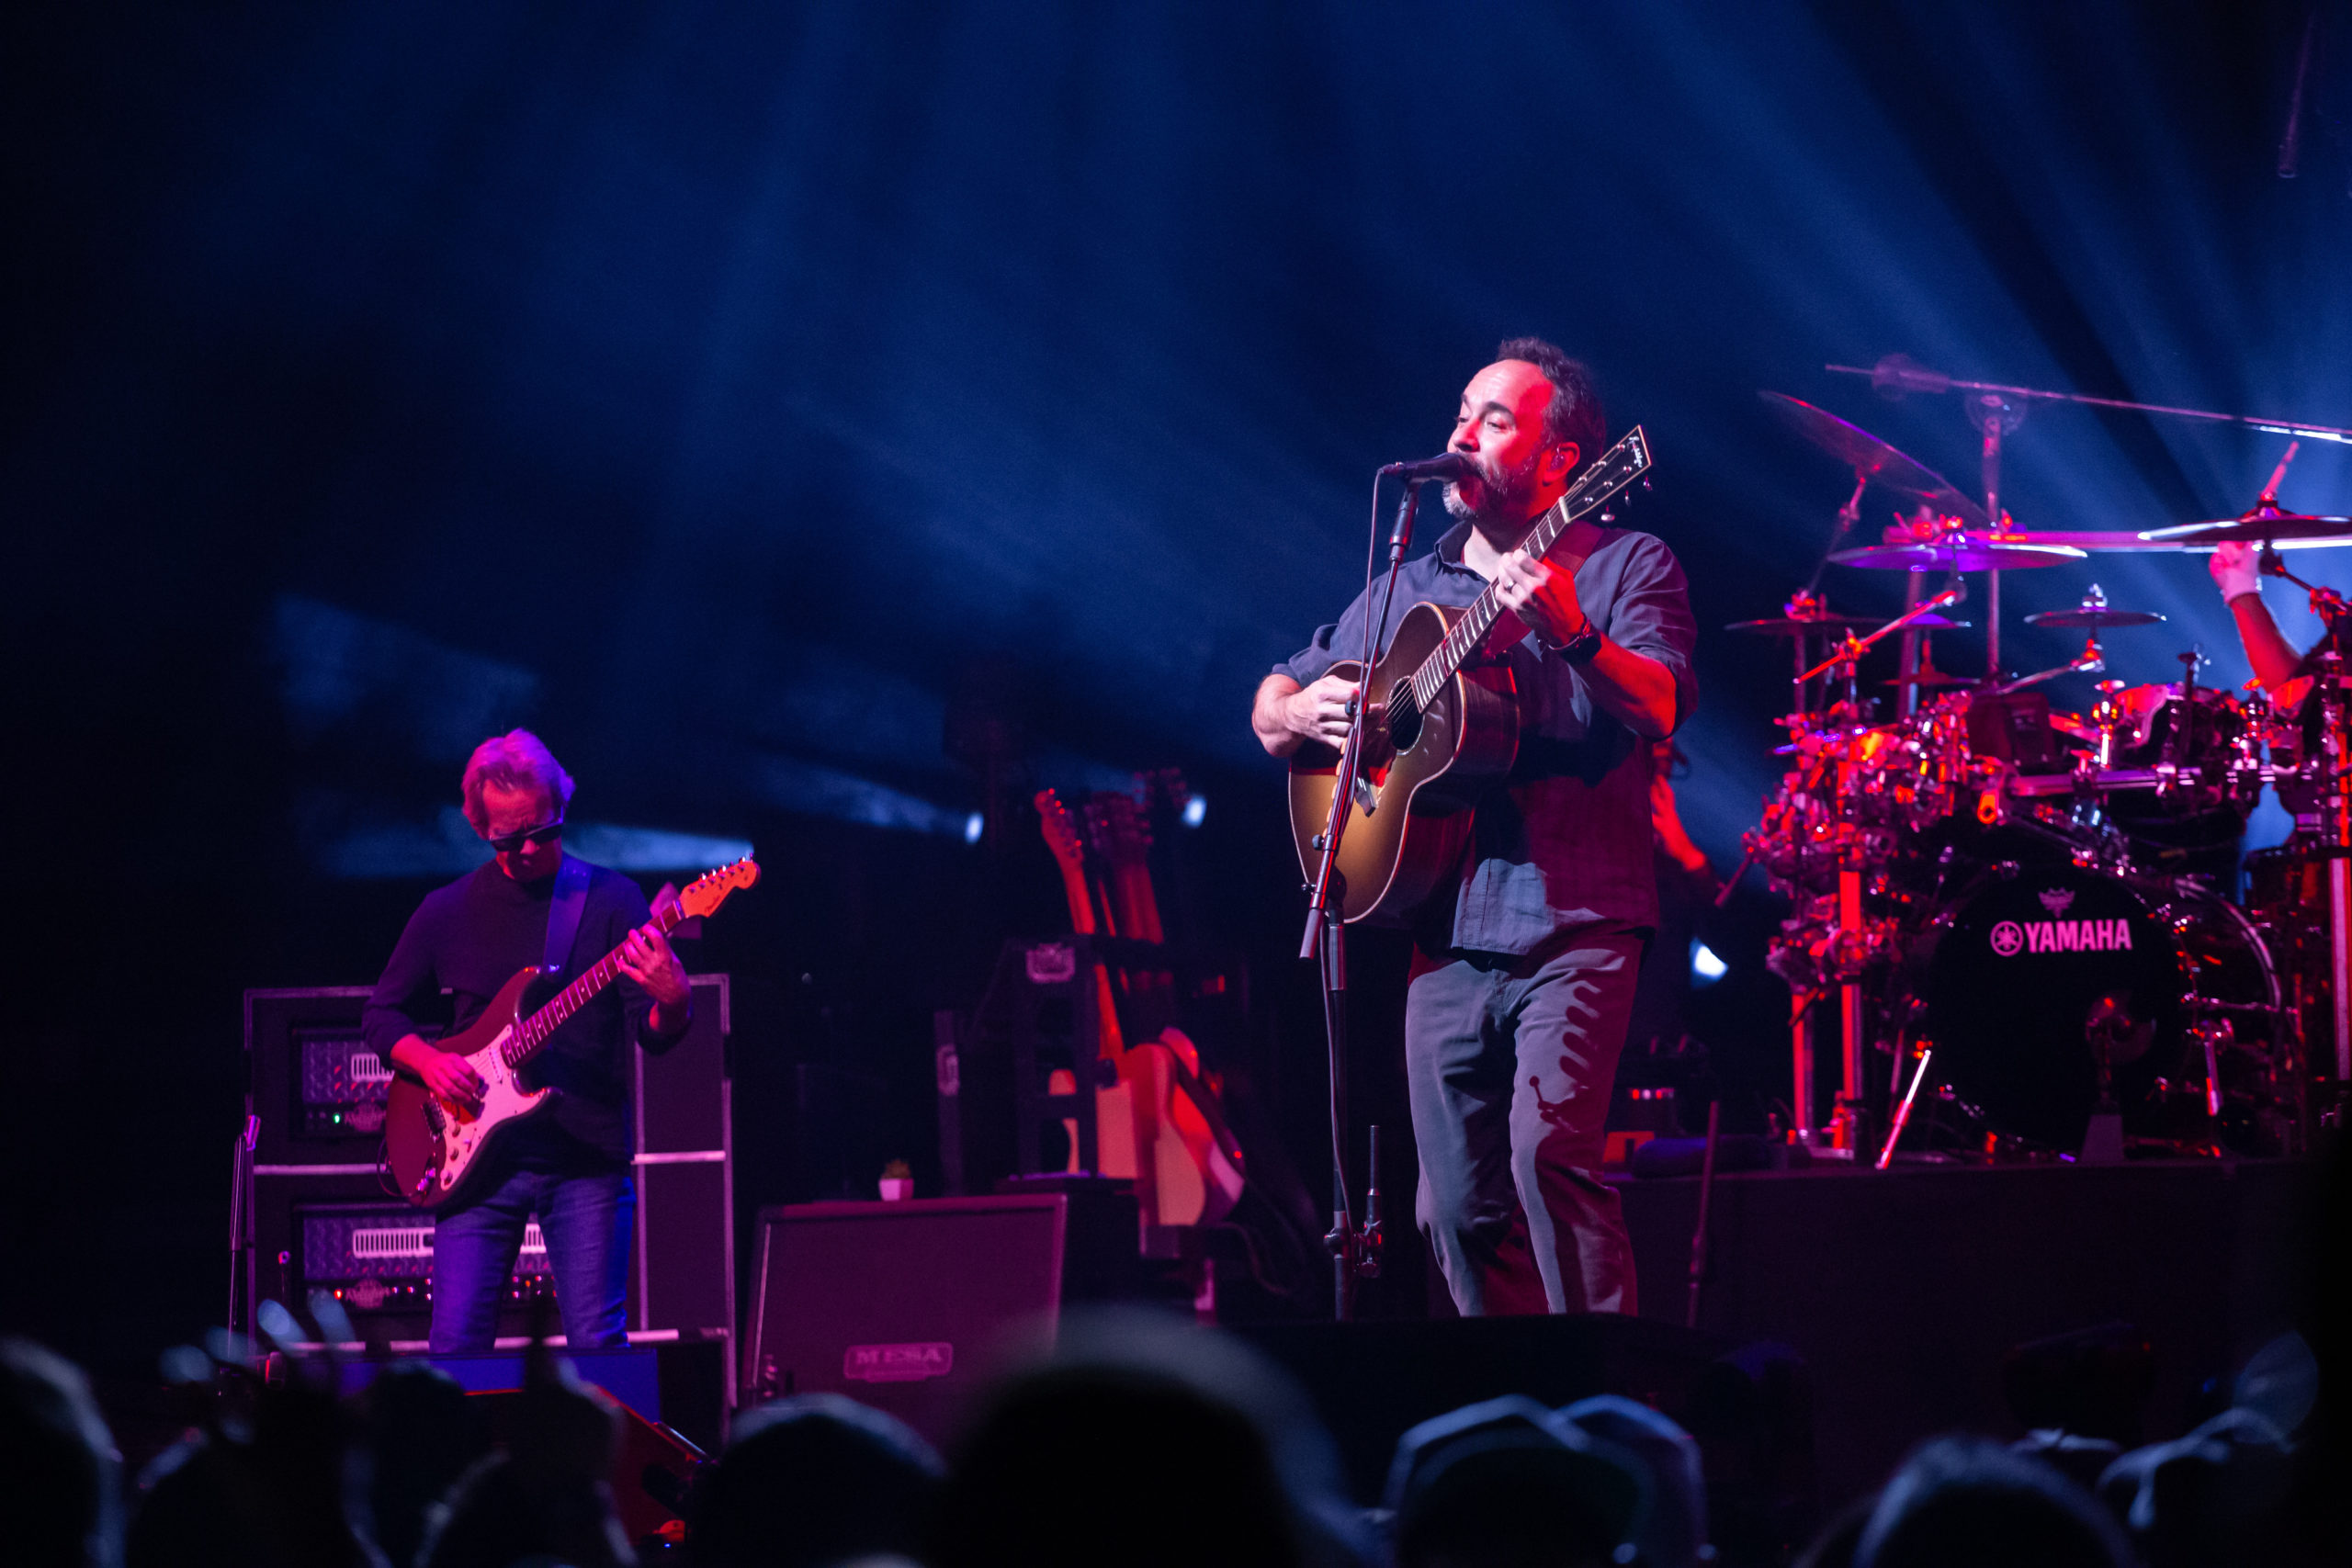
(1509, 1065)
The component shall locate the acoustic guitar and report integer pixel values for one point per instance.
(434, 1145)
(1442, 727)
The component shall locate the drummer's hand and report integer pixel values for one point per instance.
(2235, 570)
(1542, 595)
(1322, 711)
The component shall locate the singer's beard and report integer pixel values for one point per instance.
(1503, 495)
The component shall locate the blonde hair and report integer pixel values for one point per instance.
(516, 760)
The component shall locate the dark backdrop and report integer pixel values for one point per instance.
(750, 399)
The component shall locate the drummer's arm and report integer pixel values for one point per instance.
(2274, 659)
(2237, 572)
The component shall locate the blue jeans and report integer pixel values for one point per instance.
(1508, 1063)
(586, 1221)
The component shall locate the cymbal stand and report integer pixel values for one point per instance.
(1916, 644)
(1805, 604)
(2336, 829)
(2090, 661)
(1848, 515)
(1995, 416)
(2108, 717)
(1859, 646)
(1849, 942)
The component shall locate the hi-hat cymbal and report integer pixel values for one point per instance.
(1833, 623)
(1930, 681)
(2261, 525)
(1873, 458)
(2092, 617)
(1969, 552)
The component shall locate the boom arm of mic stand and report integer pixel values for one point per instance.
(1931, 382)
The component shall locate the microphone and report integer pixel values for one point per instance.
(1899, 373)
(1445, 466)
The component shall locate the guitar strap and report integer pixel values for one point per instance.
(1580, 540)
(563, 914)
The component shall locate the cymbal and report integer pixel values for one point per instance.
(2260, 525)
(1833, 623)
(1868, 456)
(1969, 552)
(1930, 681)
(2118, 541)
(2096, 541)
(2089, 616)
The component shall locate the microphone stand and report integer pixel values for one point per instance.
(1355, 1249)
(1898, 373)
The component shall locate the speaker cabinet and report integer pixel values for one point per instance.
(899, 1305)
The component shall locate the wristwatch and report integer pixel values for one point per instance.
(1579, 648)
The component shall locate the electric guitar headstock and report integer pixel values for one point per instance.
(1061, 835)
(1061, 829)
(708, 891)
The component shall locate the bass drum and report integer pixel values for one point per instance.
(2037, 970)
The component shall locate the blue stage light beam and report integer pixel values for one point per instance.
(336, 666)
(815, 790)
(449, 847)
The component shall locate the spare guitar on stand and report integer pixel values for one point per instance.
(1159, 1123)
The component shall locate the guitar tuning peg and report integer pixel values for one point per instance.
(1646, 484)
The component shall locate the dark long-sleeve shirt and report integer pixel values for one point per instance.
(470, 938)
(1565, 841)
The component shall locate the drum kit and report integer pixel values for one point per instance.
(2017, 921)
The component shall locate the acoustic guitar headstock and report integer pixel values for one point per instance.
(1118, 829)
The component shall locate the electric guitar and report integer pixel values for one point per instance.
(1442, 727)
(434, 1145)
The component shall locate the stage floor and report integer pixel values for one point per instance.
(1902, 1291)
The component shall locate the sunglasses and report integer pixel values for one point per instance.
(506, 844)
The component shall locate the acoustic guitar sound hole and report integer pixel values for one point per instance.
(1404, 718)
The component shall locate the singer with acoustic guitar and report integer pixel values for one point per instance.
(568, 1163)
(1529, 945)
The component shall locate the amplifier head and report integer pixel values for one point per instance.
(378, 1256)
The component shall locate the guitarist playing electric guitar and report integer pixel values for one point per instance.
(569, 1162)
(1533, 912)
